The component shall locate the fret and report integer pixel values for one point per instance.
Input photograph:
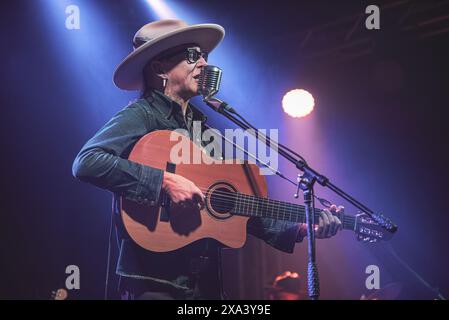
(288, 211)
(263, 210)
(252, 205)
(280, 207)
(237, 202)
(273, 207)
(278, 203)
(257, 207)
(269, 208)
(248, 205)
(291, 210)
(243, 204)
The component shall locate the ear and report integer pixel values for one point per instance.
(157, 68)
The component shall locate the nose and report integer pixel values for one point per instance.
(201, 62)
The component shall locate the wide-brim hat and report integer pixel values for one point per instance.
(157, 37)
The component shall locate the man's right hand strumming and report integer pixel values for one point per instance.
(182, 191)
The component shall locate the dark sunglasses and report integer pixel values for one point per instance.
(192, 55)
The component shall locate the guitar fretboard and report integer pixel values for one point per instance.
(252, 206)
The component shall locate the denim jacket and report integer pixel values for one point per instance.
(103, 162)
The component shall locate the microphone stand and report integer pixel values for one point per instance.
(306, 183)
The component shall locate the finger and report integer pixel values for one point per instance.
(200, 202)
(332, 226)
(198, 196)
(326, 223)
(339, 224)
(201, 194)
(180, 201)
(319, 232)
(180, 204)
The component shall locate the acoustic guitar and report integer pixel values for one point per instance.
(233, 193)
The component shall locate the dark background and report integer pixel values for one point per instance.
(379, 131)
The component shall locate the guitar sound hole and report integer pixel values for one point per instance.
(222, 200)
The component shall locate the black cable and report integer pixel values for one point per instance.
(279, 145)
(436, 291)
(108, 263)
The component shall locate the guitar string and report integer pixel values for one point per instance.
(226, 195)
(288, 215)
(250, 201)
(287, 210)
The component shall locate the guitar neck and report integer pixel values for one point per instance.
(252, 206)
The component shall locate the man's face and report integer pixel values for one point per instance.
(182, 75)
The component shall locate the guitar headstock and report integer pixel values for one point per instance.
(368, 230)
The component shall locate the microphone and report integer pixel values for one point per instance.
(209, 81)
(209, 85)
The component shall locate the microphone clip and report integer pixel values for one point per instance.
(218, 105)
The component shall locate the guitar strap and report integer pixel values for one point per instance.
(252, 180)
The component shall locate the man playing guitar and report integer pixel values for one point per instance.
(165, 64)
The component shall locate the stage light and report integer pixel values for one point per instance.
(298, 103)
(161, 9)
(85, 46)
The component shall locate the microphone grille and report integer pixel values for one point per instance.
(209, 81)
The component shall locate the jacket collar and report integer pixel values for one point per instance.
(167, 107)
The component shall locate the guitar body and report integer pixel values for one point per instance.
(167, 228)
